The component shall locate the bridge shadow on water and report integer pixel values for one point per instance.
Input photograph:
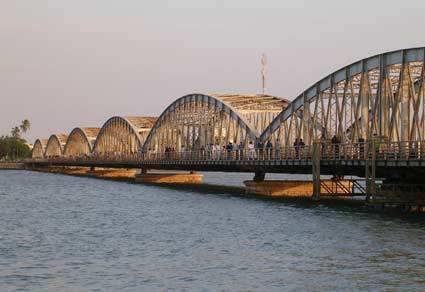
(333, 204)
(347, 205)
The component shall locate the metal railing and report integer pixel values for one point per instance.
(359, 151)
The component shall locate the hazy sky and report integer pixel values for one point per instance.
(75, 63)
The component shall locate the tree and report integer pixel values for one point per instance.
(25, 126)
(12, 148)
(16, 132)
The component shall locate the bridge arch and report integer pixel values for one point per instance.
(197, 120)
(381, 96)
(39, 148)
(55, 145)
(80, 141)
(124, 135)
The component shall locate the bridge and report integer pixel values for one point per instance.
(365, 119)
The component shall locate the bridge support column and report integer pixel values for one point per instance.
(259, 176)
(370, 171)
(165, 177)
(316, 170)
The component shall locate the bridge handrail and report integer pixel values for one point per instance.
(390, 151)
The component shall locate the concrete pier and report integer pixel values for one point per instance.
(294, 188)
(12, 165)
(405, 195)
(169, 178)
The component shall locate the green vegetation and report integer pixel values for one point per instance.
(14, 147)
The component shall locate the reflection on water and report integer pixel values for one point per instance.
(62, 233)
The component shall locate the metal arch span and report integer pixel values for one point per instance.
(39, 148)
(80, 141)
(122, 135)
(382, 96)
(196, 120)
(55, 145)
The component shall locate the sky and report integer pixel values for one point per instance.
(66, 64)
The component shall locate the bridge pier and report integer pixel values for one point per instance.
(298, 188)
(406, 195)
(316, 171)
(165, 177)
(259, 176)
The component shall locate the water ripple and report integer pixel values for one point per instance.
(61, 233)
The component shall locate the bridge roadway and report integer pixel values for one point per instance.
(400, 165)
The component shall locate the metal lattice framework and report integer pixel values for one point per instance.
(197, 120)
(124, 135)
(39, 148)
(380, 96)
(55, 145)
(80, 141)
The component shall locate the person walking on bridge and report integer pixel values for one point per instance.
(269, 149)
(251, 151)
(277, 149)
(240, 150)
(260, 147)
(301, 147)
(229, 149)
(297, 148)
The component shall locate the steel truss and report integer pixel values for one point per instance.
(118, 135)
(381, 97)
(55, 145)
(197, 120)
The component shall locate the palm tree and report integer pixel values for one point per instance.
(16, 132)
(25, 126)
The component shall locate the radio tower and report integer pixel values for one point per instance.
(263, 71)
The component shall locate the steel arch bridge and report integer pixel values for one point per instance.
(197, 120)
(366, 119)
(55, 145)
(80, 141)
(39, 148)
(379, 99)
(381, 96)
(123, 135)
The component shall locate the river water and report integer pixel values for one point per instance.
(63, 233)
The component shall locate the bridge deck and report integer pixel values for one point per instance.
(384, 168)
(334, 159)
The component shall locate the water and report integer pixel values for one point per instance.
(62, 233)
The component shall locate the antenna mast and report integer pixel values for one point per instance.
(263, 71)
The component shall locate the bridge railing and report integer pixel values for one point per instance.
(328, 151)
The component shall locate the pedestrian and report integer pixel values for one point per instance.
(297, 148)
(251, 151)
(269, 148)
(260, 147)
(241, 147)
(277, 149)
(302, 145)
(202, 152)
(229, 149)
